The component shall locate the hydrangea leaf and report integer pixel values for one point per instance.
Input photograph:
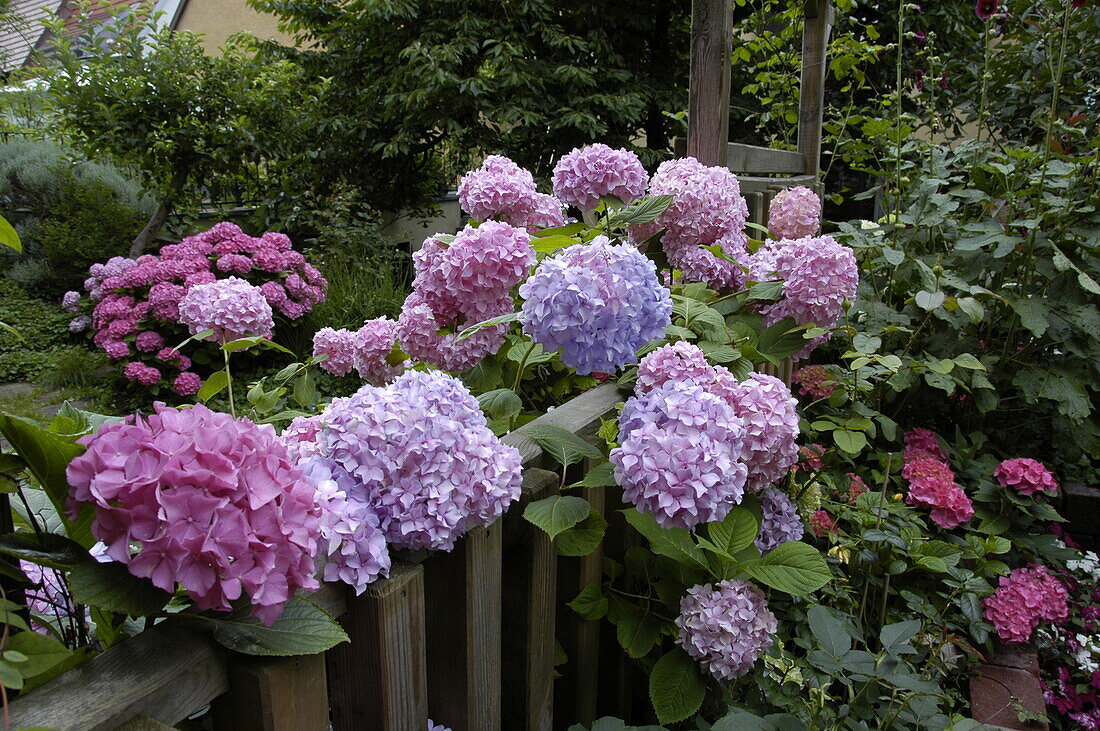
(112, 587)
(213, 385)
(676, 688)
(500, 403)
(561, 444)
(736, 531)
(794, 567)
(303, 629)
(582, 539)
(42, 652)
(48, 549)
(557, 513)
(590, 603)
(637, 629)
(675, 543)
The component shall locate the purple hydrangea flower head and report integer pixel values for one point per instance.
(818, 276)
(419, 452)
(706, 203)
(498, 189)
(780, 521)
(545, 212)
(187, 383)
(149, 341)
(417, 331)
(373, 344)
(141, 373)
(680, 361)
(231, 307)
(598, 303)
(794, 213)
(48, 596)
(679, 457)
(701, 265)
(70, 302)
(209, 501)
(339, 346)
(350, 534)
(80, 323)
(770, 414)
(587, 173)
(433, 726)
(725, 627)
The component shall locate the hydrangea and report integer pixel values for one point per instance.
(706, 203)
(48, 596)
(818, 276)
(433, 726)
(140, 373)
(932, 485)
(231, 307)
(350, 533)
(679, 457)
(373, 344)
(808, 499)
(80, 323)
(300, 437)
(726, 627)
(468, 277)
(598, 303)
(498, 189)
(338, 346)
(679, 361)
(209, 501)
(420, 453)
(856, 487)
(418, 332)
(187, 383)
(810, 457)
(70, 302)
(545, 212)
(921, 442)
(822, 524)
(780, 522)
(814, 381)
(1022, 600)
(587, 173)
(794, 213)
(1027, 476)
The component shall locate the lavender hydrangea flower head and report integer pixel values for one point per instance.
(231, 307)
(706, 203)
(420, 453)
(545, 212)
(700, 265)
(70, 302)
(498, 189)
(587, 173)
(794, 213)
(780, 522)
(818, 276)
(373, 344)
(598, 303)
(339, 346)
(80, 323)
(679, 361)
(417, 331)
(679, 457)
(726, 627)
(770, 414)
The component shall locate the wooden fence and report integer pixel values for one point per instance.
(466, 638)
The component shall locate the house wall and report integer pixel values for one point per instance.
(216, 20)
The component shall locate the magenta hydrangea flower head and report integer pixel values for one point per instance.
(587, 173)
(726, 627)
(680, 455)
(932, 485)
(350, 533)
(209, 501)
(794, 213)
(780, 521)
(814, 381)
(141, 373)
(598, 303)
(706, 203)
(419, 452)
(498, 189)
(231, 307)
(1024, 599)
(187, 383)
(822, 524)
(1027, 476)
(921, 442)
(818, 276)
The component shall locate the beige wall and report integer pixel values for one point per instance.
(216, 20)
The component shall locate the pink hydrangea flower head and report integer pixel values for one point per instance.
(148, 341)
(498, 189)
(339, 346)
(921, 442)
(201, 499)
(116, 349)
(419, 451)
(769, 413)
(273, 293)
(706, 203)
(818, 275)
(545, 211)
(70, 302)
(48, 596)
(701, 265)
(810, 457)
(586, 174)
(236, 263)
(187, 383)
(1027, 476)
(932, 485)
(141, 373)
(726, 627)
(300, 437)
(1024, 599)
(856, 487)
(679, 361)
(417, 331)
(374, 342)
(231, 307)
(814, 381)
(680, 455)
(822, 524)
(598, 303)
(794, 213)
(780, 521)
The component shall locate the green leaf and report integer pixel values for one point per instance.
(966, 360)
(929, 301)
(828, 631)
(676, 688)
(112, 587)
(502, 320)
(500, 403)
(675, 543)
(794, 567)
(766, 291)
(8, 236)
(644, 211)
(42, 652)
(305, 391)
(894, 636)
(637, 630)
(602, 475)
(557, 513)
(590, 603)
(561, 444)
(851, 442)
(10, 675)
(303, 629)
(1033, 315)
(736, 531)
(582, 539)
(781, 339)
(9, 616)
(54, 551)
(214, 384)
(546, 244)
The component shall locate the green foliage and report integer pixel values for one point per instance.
(302, 629)
(39, 334)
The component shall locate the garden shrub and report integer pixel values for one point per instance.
(42, 334)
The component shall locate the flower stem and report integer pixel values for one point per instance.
(229, 385)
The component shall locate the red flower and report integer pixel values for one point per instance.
(986, 9)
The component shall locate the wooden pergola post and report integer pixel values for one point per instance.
(709, 88)
(820, 15)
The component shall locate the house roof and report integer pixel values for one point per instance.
(19, 33)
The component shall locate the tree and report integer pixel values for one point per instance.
(192, 125)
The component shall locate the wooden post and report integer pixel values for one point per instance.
(463, 640)
(275, 694)
(709, 87)
(588, 633)
(820, 16)
(379, 679)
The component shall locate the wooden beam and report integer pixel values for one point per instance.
(275, 694)
(709, 86)
(581, 414)
(820, 15)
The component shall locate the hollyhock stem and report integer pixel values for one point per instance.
(229, 384)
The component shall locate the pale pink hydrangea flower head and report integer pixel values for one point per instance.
(794, 213)
(586, 174)
(231, 307)
(725, 627)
